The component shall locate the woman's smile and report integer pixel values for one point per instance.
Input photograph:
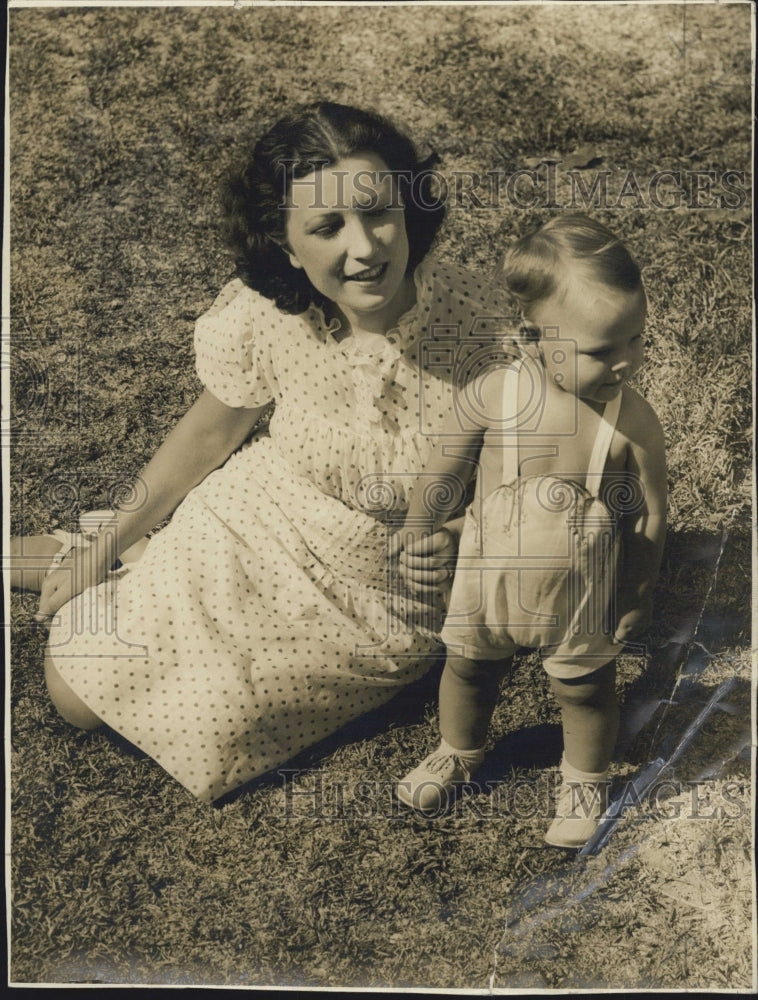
(370, 275)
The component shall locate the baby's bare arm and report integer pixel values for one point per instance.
(644, 527)
(441, 486)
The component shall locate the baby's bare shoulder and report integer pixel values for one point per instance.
(637, 415)
(641, 432)
(485, 393)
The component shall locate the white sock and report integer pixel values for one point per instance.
(571, 773)
(472, 758)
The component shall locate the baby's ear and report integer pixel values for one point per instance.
(530, 349)
(511, 345)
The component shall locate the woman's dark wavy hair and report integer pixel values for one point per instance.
(320, 133)
(534, 265)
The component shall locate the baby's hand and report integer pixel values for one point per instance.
(633, 621)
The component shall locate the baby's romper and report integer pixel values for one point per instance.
(537, 561)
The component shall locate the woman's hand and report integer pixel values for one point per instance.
(429, 563)
(74, 570)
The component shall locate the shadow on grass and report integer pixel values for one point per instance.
(538, 746)
(702, 623)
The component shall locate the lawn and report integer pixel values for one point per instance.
(122, 120)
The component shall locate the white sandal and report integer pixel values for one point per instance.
(91, 523)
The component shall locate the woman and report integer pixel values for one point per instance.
(266, 615)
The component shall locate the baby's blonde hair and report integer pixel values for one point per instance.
(534, 265)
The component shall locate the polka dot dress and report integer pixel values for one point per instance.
(265, 615)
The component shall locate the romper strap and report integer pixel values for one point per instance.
(510, 415)
(602, 444)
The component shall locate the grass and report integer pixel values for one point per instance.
(121, 121)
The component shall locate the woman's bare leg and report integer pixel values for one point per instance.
(69, 705)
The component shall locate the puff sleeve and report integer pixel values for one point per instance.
(228, 350)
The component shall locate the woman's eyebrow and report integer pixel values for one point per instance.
(372, 200)
(360, 200)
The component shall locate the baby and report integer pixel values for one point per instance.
(561, 546)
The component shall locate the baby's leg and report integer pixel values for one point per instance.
(30, 558)
(590, 726)
(69, 705)
(468, 694)
(590, 714)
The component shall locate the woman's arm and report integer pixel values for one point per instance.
(202, 441)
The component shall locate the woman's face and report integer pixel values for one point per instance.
(346, 228)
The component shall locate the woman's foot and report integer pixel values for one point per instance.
(30, 558)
